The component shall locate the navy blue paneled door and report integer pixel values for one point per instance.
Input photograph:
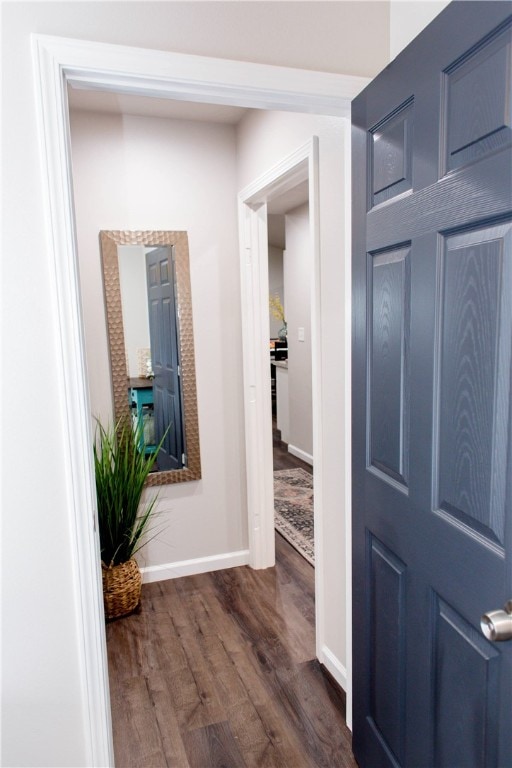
(432, 361)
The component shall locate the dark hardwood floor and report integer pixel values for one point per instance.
(283, 459)
(219, 670)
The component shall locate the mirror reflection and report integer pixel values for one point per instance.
(149, 316)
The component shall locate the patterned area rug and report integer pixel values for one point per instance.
(293, 503)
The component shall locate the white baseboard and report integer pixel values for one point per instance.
(300, 454)
(193, 567)
(334, 666)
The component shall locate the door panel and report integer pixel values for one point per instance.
(432, 449)
(467, 669)
(386, 588)
(477, 97)
(473, 398)
(391, 154)
(389, 379)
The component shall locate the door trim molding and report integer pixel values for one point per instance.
(302, 165)
(121, 69)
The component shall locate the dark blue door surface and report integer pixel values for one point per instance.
(163, 331)
(432, 354)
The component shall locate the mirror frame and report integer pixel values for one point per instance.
(109, 241)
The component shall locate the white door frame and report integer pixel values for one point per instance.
(302, 165)
(119, 69)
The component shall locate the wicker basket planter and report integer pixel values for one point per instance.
(121, 588)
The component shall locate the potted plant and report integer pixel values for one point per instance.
(121, 467)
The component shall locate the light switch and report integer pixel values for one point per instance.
(301, 334)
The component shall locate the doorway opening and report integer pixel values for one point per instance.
(286, 186)
(115, 69)
(290, 278)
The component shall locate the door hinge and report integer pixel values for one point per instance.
(184, 459)
(179, 371)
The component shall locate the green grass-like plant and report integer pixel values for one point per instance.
(121, 467)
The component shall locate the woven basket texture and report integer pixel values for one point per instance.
(121, 588)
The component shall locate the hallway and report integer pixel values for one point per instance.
(219, 669)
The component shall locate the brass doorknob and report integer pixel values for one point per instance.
(497, 625)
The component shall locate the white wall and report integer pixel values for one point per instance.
(328, 36)
(298, 275)
(264, 139)
(407, 18)
(43, 722)
(152, 173)
(134, 305)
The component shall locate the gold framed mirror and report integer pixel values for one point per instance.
(153, 369)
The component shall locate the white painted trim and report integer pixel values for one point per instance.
(316, 392)
(299, 166)
(300, 454)
(78, 472)
(123, 69)
(348, 425)
(333, 666)
(288, 173)
(166, 571)
(256, 377)
(57, 63)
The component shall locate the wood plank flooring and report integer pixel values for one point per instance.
(283, 459)
(218, 670)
